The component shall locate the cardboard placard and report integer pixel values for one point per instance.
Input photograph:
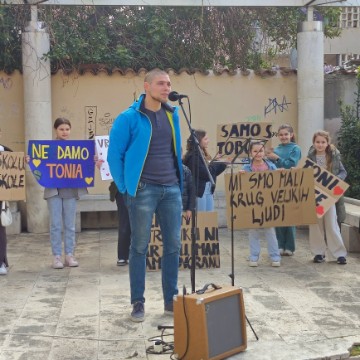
(12, 176)
(207, 243)
(271, 198)
(63, 163)
(102, 145)
(233, 139)
(328, 187)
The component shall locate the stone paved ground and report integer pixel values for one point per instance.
(299, 311)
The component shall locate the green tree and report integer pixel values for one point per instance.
(349, 140)
(146, 37)
(11, 22)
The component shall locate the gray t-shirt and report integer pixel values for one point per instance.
(159, 167)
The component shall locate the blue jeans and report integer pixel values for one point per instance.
(62, 211)
(272, 244)
(165, 202)
(206, 202)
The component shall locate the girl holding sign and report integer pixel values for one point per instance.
(62, 209)
(258, 163)
(286, 155)
(3, 254)
(325, 235)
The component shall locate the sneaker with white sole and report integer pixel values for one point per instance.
(121, 262)
(253, 263)
(138, 312)
(169, 309)
(57, 263)
(282, 252)
(71, 261)
(288, 253)
(275, 264)
(3, 270)
(319, 258)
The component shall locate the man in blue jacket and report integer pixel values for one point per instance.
(144, 156)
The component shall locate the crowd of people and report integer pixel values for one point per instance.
(152, 177)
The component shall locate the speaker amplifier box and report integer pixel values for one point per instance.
(209, 326)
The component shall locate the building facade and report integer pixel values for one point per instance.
(346, 47)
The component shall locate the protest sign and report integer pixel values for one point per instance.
(63, 163)
(207, 251)
(234, 139)
(102, 145)
(12, 176)
(270, 198)
(328, 187)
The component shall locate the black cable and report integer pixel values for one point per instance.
(167, 346)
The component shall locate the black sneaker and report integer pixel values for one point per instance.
(121, 262)
(169, 309)
(319, 258)
(138, 312)
(341, 260)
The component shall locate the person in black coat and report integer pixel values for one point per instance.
(124, 231)
(204, 189)
(188, 200)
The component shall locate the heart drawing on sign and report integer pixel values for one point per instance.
(338, 190)
(36, 162)
(89, 180)
(320, 210)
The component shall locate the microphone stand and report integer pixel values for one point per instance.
(194, 171)
(232, 217)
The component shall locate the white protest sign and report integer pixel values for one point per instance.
(102, 145)
(328, 187)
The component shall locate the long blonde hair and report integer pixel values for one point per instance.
(329, 148)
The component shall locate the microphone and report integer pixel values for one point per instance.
(175, 96)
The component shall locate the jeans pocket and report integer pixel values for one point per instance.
(141, 186)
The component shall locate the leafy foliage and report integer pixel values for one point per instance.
(10, 37)
(349, 140)
(147, 37)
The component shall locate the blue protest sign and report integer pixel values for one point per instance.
(62, 163)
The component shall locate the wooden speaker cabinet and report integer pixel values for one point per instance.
(210, 326)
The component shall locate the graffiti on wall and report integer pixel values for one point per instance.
(105, 122)
(90, 121)
(253, 118)
(6, 83)
(96, 124)
(274, 106)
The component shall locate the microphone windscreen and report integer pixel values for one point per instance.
(173, 96)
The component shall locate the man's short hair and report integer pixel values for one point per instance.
(149, 77)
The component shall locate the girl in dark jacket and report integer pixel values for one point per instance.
(204, 190)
